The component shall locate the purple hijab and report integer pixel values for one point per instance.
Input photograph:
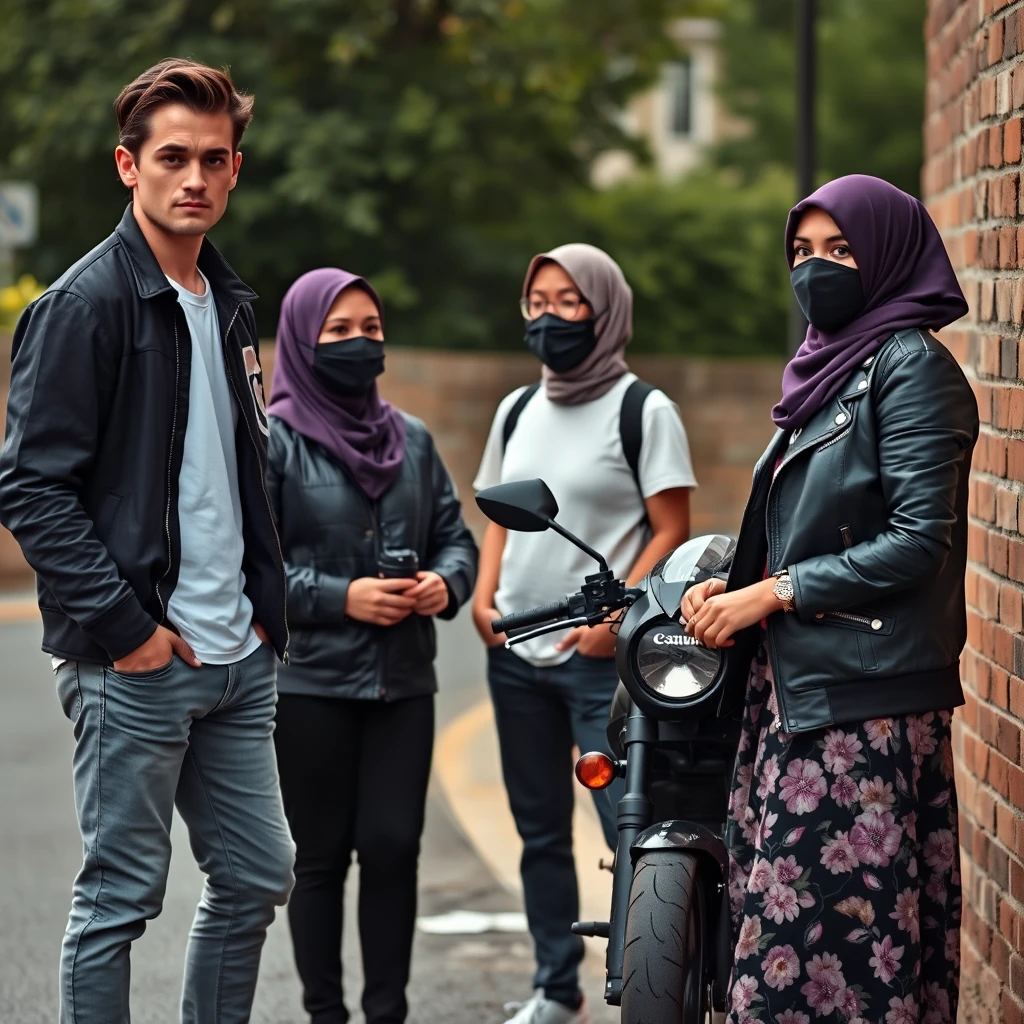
(907, 278)
(365, 434)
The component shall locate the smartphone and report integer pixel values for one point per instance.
(398, 564)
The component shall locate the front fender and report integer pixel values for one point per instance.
(683, 835)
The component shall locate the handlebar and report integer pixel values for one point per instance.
(531, 617)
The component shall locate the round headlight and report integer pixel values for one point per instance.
(673, 665)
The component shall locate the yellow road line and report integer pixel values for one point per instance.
(468, 768)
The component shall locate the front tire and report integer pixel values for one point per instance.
(665, 963)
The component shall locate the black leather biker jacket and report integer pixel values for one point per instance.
(96, 423)
(868, 512)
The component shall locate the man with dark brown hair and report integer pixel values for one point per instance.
(132, 476)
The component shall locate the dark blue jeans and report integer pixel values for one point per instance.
(541, 713)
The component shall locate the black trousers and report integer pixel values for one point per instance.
(354, 778)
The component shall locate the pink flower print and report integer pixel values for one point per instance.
(940, 850)
(921, 737)
(946, 760)
(761, 875)
(952, 950)
(743, 992)
(793, 836)
(936, 1004)
(827, 987)
(741, 794)
(750, 933)
(872, 881)
(912, 866)
(875, 838)
(844, 791)
(806, 899)
(902, 1011)
(907, 914)
(780, 903)
(749, 826)
(838, 854)
(813, 934)
(886, 960)
(792, 1017)
(849, 1006)
(803, 787)
(880, 732)
(764, 829)
(769, 777)
(876, 795)
(786, 870)
(936, 889)
(842, 751)
(781, 967)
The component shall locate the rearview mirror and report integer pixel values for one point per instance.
(526, 506)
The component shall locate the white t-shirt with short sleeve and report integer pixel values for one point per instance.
(577, 451)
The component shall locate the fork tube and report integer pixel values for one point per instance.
(634, 815)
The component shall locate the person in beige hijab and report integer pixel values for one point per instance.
(554, 693)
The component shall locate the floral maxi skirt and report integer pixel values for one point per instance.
(844, 869)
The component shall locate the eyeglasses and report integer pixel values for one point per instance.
(566, 306)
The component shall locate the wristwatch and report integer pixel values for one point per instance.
(783, 590)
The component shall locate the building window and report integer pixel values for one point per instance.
(679, 76)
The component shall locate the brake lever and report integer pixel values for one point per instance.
(550, 627)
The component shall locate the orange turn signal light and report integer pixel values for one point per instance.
(596, 770)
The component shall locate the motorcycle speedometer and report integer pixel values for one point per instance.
(675, 666)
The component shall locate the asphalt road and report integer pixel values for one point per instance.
(457, 979)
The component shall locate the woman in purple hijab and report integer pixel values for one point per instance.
(374, 548)
(842, 625)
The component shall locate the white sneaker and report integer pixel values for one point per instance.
(546, 1011)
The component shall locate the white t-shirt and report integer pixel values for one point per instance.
(577, 451)
(208, 605)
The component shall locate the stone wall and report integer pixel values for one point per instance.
(725, 405)
(972, 183)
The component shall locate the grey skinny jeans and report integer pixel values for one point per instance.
(201, 740)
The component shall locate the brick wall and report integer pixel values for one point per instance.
(725, 406)
(972, 183)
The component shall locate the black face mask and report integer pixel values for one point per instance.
(349, 367)
(829, 294)
(560, 344)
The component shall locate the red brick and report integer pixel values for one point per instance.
(995, 146)
(1010, 608)
(995, 42)
(1011, 141)
(1006, 503)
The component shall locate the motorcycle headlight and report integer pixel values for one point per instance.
(673, 665)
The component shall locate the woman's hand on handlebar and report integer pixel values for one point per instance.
(694, 598)
(482, 619)
(590, 641)
(379, 602)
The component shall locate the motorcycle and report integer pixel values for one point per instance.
(674, 730)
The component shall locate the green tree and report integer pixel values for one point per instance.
(414, 141)
(871, 80)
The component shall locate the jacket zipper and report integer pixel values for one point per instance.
(862, 620)
(263, 486)
(170, 465)
(372, 507)
(834, 440)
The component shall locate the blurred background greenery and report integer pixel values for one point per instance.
(435, 145)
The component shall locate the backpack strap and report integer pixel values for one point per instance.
(631, 424)
(515, 412)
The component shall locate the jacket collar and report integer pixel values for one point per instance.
(151, 280)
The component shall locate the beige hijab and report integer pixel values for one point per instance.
(602, 283)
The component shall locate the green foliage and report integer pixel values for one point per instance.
(871, 80)
(704, 258)
(407, 140)
(436, 145)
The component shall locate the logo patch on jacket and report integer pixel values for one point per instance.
(254, 375)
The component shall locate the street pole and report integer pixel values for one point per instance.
(805, 128)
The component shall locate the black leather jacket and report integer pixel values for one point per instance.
(868, 512)
(332, 534)
(96, 424)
